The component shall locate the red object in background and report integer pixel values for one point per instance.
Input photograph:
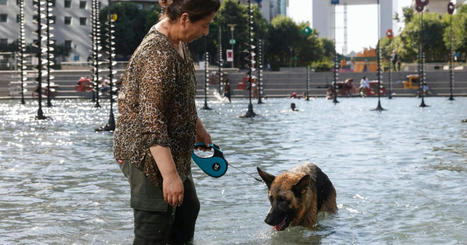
(389, 33)
(84, 85)
(374, 88)
(242, 84)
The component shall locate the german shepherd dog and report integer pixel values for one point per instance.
(298, 195)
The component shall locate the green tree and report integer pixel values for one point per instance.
(310, 48)
(433, 45)
(408, 14)
(230, 12)
(283, 41)
(459, 31)
(130, 28)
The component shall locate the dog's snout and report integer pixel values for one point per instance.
(269, 220)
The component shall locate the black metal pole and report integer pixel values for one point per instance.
(336, 66)
(422, 64)
(98, 39)
(390, 75)
(260, 71)
(40, 113)
(378, 60)
(93, 48)
(206, 81)
(250, 112)
(220, 61)
(110, 126)
(379, 74)
(451, 62)
(49, 49)
(22, 46)
(307, 82)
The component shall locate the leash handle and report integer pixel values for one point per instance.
(202, 145)
(207, 167)
(214, 166)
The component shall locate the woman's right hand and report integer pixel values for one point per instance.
(172, 187)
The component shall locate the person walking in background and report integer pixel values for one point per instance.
(158, 125)
(227, 92)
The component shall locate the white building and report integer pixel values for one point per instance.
(324, 15)
(270, 8)
(72, 26)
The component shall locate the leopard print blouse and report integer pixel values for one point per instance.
(156, 105)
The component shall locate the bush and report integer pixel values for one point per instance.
(322, 65)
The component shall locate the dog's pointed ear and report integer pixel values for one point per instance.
(298, 188)
(267, 178)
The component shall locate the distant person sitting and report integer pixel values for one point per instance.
(293, 95)
(364, 86)
(293, 107)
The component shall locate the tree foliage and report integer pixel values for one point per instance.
(131, 26)
(435, 36)
(284, 42)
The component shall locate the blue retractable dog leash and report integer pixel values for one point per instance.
(214, 166)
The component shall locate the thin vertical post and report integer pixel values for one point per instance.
(250, 112)
(40, 113)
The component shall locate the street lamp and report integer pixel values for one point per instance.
(22, 50)
(96, 48)
(251, 60)
(206, 80)
(260, 71)
(378, 57)
(451, 8)
(111, 19)
(420, 5)
(232, 41)
(50, 44)
(220, 60)
(40, 26)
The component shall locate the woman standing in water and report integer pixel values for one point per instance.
(158, 125)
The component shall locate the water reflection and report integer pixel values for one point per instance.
(399, 175)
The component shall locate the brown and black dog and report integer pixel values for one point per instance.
(298, 195)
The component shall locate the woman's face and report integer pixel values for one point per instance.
(197, 29)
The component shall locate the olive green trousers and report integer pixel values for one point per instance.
(156, 222)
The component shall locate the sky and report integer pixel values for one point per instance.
(362, 24)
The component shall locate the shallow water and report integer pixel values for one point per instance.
(400, 175)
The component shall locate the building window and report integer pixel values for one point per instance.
(67, 20)
(82, 21)
(67, 3)
(68, 44)
(18, 2)
(2, 2)
(53, 3)
(3, 17)
(82, 4)
(34, 17)
(53, 19)
(3, 43)
(18, 18)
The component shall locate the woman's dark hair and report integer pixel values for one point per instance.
(196, 9)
